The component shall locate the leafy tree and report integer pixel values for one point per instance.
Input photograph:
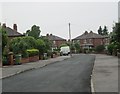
(77, 46)
(40, 46)
(21, 44)
(62, 45)
(34, 32)
(48, 44)
(116, 37)
(4, 38)
(100, 30)
(110, 48)
(105, 31)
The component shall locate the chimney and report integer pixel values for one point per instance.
(91, 32)
(47, 35)
(15, 27)
(4, 25)
(86, 33)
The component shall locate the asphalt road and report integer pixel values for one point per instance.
(71, 75)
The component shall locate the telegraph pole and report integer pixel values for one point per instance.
(70, 40)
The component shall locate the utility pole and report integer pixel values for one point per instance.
(70, 40)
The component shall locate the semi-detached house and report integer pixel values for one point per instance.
(91, 40)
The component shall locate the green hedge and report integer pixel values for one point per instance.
(33, 52)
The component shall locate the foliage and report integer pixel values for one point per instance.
(110, 48)
(100, 48)
(62, 45)
(48, 44)
(40, 46)
(115, 38)
(33, 52)
(34, 32)
(100, 30)
(77, 47)
(21, 44)
(4, 38)
(103, 31)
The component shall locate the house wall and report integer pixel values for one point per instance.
(97, 42)
(59, 42)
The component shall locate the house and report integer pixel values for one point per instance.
(12, 32)
(91, 40)
(56, 40)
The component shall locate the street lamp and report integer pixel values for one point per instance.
(70, 40)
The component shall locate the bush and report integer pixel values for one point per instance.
(33, 52)
(21, 44)
(25, 54)
(110, 48)
(100, 48)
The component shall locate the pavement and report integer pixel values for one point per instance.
(8, 71)
(105, 74)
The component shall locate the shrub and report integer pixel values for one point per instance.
(33, 52)
(110, 48)
(100, 48)
(19, 45)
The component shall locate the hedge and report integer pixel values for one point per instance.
(33, 52)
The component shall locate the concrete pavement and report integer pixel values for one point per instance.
(105, 74)
(8, 71)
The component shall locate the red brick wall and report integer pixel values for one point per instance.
(59, 42)
(97, 42)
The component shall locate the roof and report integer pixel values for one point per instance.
(55, 38)
(12, 33)
(88, 36)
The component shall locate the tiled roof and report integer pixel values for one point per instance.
(88, 36)
(12, 33)
(53, 38)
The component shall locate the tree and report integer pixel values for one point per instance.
(48, 44)
(116, 37)
(4, 38)
(40, 46)
(77, 46)
(100, 30)
(34, 32)
(105, 31)
(19, 45)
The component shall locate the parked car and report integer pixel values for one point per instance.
(65, 50)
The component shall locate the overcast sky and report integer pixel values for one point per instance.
(54, 17)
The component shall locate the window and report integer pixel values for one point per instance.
(90, 40)
(54, 42)
(85, 41)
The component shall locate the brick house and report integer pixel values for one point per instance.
(91, 40)
(12, 32)
(56, 41)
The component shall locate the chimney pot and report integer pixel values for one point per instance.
(47, 35)
(4, 25)
(86, 32)
(15, 27)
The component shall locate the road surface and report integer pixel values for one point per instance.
(71, 75)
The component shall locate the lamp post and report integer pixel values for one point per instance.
(70, 40)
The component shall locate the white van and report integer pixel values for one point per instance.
(65, 50)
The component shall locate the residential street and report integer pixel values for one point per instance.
(70, 75)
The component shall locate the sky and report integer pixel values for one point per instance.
(53, 17)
